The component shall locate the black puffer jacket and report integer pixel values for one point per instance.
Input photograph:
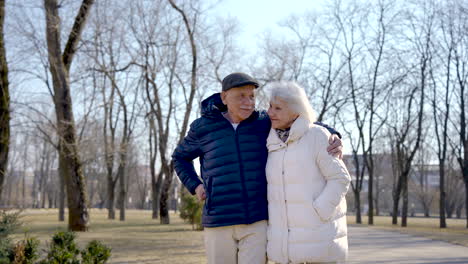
(232, 165)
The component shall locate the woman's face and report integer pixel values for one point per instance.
(281, 115)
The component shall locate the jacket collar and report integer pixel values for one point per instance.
(298, 129)
(212, 105)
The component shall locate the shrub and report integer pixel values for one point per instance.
(6, 251)
(26, 251)
(9, 222)
(95, 253)
(191, 210)
(63, 249)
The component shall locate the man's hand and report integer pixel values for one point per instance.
(200, 191)
(336, 146)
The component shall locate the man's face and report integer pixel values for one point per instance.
(240, 102)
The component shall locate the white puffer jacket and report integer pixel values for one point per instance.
(306, 197)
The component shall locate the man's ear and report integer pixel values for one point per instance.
(223, 97)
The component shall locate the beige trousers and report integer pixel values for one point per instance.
(237, 244)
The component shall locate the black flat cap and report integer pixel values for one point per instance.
(238, 79)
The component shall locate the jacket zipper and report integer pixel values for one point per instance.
(285, 201)
(241, 169)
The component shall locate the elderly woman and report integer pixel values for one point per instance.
(306, 185)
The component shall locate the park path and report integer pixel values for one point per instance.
(370, 245)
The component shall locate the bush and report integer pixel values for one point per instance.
(95, 253)
(63, 249)
(191, 210)
(6, 251)
(9, 222)
(26, 251)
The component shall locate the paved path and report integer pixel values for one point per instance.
(368, 245)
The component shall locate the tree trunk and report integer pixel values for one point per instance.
(357, 200)
(34, 192)
(156, 185)
(43, 192)
(122, 192)
(110, 199)
(404, 209)
(163, 203)
(396, 201)
(62, 194)
(377, 196)
(23, 188)
(466, 201)
(370, 199)
(74, 180)
(50, 198)
(442, 209)
(427, 210)
(4, 105)
(458, 211)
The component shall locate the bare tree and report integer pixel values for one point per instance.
(441, 108)
(348, 22)
(190, 24)
(310, 56)
(378, 95)
(147, 28)
(459, 62)
(60, 63)
(109, 52)
(4, 103)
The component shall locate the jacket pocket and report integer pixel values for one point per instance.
(208, 192)
(317, 214)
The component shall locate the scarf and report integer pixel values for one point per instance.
(283, 134)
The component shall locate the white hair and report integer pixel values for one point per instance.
(295, 96)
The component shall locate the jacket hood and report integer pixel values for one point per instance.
(213, 105)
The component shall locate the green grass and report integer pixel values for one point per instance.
(455, 233)
(139, 239)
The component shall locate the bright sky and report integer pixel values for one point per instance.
(257, 16)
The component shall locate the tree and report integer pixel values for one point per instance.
(459, 12)
(441, 110)
(60, 63)
(310, 55)
(347, 24)
(4, 103)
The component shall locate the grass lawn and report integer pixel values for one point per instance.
(456, 233)
(137, 240)
(142, 240)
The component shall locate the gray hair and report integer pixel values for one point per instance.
(295, 96)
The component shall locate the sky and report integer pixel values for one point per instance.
(258, 16)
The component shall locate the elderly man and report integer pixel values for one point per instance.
(230, 140)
